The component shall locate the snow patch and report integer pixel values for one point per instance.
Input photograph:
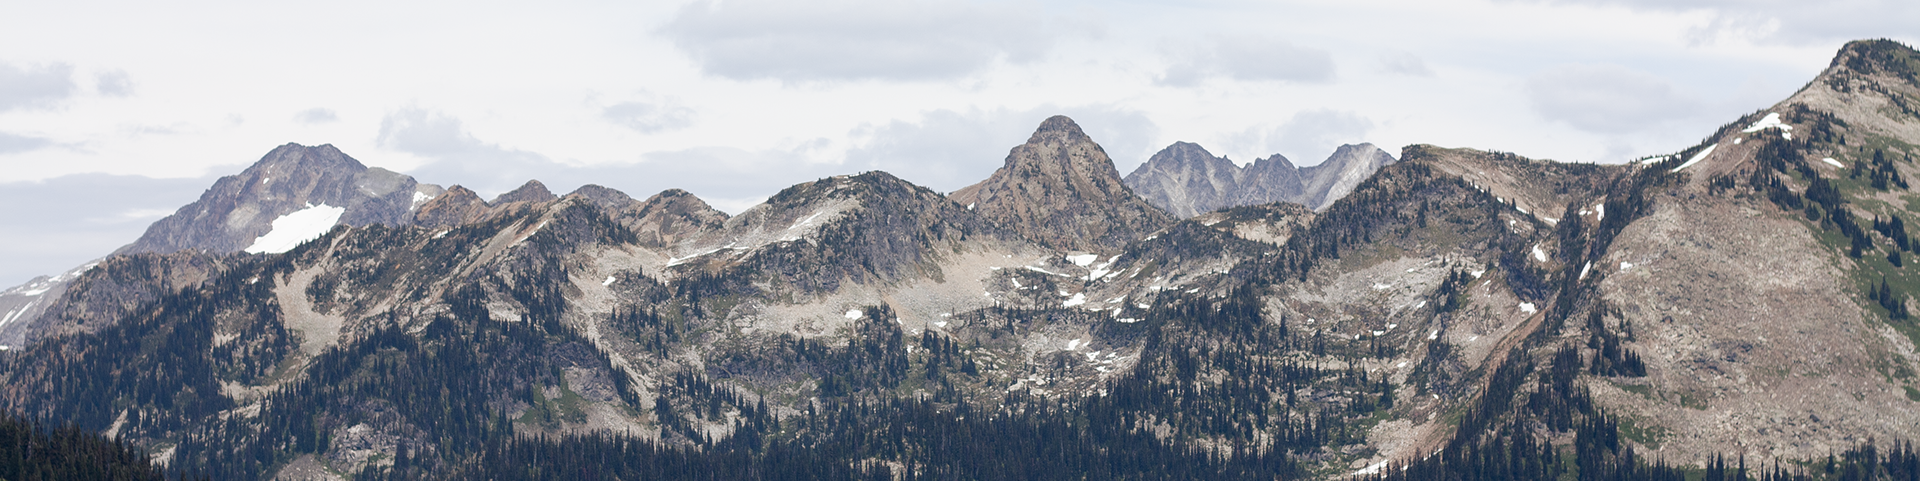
(1772, 120)
(1835, 163)
(855, 314)
(1527, 307)
(1476, 274)
(1585, 268)
(969, 206)
(1378, 286)
(300, 226)
(1044, 271)
(1126, 320)
(1083, 260)
(1696, 157)
(1077, 300)
(1539, 255)
(1736, 140)
(1373, 469)
(607, 282)
(1434, 335)
(1073, 344)
(1600, 209)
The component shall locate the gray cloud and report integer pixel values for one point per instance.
(34, 86)
(855, 39)
(80, 217)
(1606, 98)
(1311, 135)
(486, 168)
(946, 150)
(714, 173)
(1249, 58)
(648, 117)
(318, 115)
(114, 83)
(1404, 63)
(1790, 21)
(13, 144)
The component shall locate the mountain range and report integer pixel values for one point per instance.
(1450, 314)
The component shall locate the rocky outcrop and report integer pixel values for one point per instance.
(671, 216)
(1061, 190)
(457, 206)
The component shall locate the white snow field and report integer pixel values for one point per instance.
(294, 228)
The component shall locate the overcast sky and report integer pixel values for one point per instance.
(114, 113)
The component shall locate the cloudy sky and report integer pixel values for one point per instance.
(114, 113)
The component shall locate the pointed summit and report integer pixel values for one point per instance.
(239, 209)
(532, 191)
(1060, 189)
(1186, 180)
(1340, 173)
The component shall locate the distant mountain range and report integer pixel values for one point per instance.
(1452, 314)
(1186, 180)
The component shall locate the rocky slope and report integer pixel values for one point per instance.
(1459, 311)
(1186, 180)
(1061, 190)
(305, 189)
(239, 209)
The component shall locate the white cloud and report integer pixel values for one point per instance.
(1609, 99)
(13, 143)
(1404, 63)
(855, 39)
(649, 117)
(316, 115)
(34, 86)
(1789, 21)
(115, 83)
(1248, 58)
(1307, 138)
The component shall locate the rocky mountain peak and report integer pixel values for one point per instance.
(458, 205)
(1060, 189)
(1187, 180)
(1060, 126)
(669, 217)
(532, 191)
(1348, 166)
(242, 208)
(1881, 56)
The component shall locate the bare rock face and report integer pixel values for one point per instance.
(114, 289)
(240, 208)
(457, 206)
(1186, 180)
(1060, 189)
(662, 221)
(672, 216)
(532, 191)
(1340, 173)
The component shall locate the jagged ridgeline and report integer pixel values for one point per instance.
(1738, 308)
